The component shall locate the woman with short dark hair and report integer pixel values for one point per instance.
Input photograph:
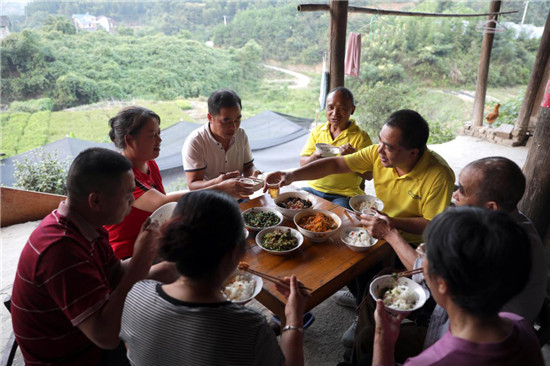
(136, 132)
(475, 261)
(189, 322)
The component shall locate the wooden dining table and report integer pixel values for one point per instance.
(324, 267)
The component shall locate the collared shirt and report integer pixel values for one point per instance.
(343, 184)
(201, 151)
(62, 278)
(423, 192)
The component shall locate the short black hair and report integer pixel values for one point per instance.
(129, 121)
(483, 255)
(95, 170)
(205, 227)
(223, 98)
(502, 181)
(414, 129)
(347, 93)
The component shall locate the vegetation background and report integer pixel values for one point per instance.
(58, 82)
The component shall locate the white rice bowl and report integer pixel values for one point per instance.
(241, 287)
(399, 296)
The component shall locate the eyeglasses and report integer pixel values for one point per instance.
(421, 250)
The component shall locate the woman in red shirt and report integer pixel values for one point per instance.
(136, 131)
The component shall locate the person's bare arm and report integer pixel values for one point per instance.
(413, 225)
(153, 199)
(386, 332)
(249, 170)
(315, 170)
(103, 326)
(310, 158)
(292, 341)
(381, 227)
(224, 182)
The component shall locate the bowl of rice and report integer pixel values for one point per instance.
(357, 239)
(363, 203)
(258, 218)
(326, 150)
(317, 225)
(241, 287)
(400, 295)
(279, 240)
(164, 212)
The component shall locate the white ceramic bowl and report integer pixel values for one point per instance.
(344, 236)
(288, 213)
(258, 183)
(374, 202)
(380, 284)
(293, 232)
(164, 212)
(258, 284)
(262, 209)
(326, 150)
(317, 237)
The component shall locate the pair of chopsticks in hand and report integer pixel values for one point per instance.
(243, 266)
(396, 276)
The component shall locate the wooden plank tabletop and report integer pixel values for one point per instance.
(324, 267)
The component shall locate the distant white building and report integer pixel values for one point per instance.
(89, 22)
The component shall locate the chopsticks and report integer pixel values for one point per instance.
(408, 273)
(348, 215)
(397, 275)
(243, 266)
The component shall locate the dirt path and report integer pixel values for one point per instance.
(301, 80)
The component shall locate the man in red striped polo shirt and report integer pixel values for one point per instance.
(69, 289)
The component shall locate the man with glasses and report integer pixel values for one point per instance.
(494, 183)
(218, 154)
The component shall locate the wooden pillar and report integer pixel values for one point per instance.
(536, 199)
(536, 82)
(337, 39)
(483, 71)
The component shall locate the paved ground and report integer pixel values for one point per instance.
(322, 340)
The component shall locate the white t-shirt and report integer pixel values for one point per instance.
(201, 151)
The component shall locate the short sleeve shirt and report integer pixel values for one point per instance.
(423, 192)
(201, 151)
(346, 184)
(161, 330)
(63, 277)
(520, 347)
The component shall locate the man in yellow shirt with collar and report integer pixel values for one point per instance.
(342, 132)
(414, 183)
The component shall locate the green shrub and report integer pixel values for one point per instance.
(509, 111)
(42, 173)
(183, 104)
(178, 185)
(74, 89)
(32, 105)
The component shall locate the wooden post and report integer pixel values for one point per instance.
(483, 71)
(536, 199)
(337, 39)
(536, 82)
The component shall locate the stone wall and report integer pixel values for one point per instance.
(503, 134)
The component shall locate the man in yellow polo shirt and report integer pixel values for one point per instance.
(342, 132)
(414, 183)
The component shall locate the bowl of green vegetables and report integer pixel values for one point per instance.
(258, 218)
(279, 240)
